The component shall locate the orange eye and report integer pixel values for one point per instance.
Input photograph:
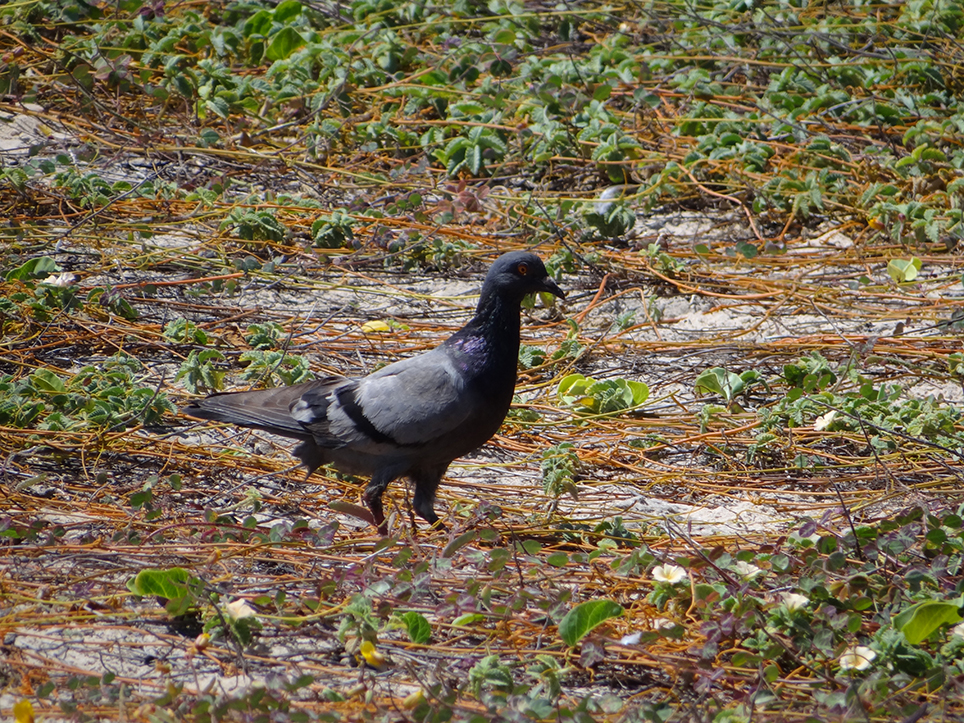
(522, 269)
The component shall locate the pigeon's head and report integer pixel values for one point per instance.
(517, 273)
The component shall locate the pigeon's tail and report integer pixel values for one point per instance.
(265, 409)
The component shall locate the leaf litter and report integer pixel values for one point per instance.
(685, 477)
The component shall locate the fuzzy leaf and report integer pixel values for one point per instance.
(920, 620)
(419, 629)
(584, 618)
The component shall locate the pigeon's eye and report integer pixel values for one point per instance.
(522, 269)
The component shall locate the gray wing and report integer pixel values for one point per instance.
(409, 403)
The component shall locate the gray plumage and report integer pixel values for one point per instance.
(411, 418)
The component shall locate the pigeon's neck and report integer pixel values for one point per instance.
(497, 319)
(489, 343)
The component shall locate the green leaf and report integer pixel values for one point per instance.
(605, 396)
(474, 158)
(468, 619)
(719, 381)
(920, 620)
(39, 268)
(464, 109)
(640, 392)
(284, 44)
(208, 138)
(218, 106)
(258, 24)
(904, 270)
(419, 629)
(459, 542)
(170, 583)
(46, 381)
(532, 547)
(584, 618)
(287, 10)
(559, 465)
(567, 383)
(182, 83)
(932, 154)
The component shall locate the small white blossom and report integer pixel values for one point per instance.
(746, 570)
(663, 624)
(857, 657)
(669, 573)
(62, 279)
(824, 420)
(631, 639)
(239, 609)
(958, 630)
(794, 602)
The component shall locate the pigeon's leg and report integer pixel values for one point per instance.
(373, 498)
(426, 482)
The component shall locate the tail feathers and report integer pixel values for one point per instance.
(265, 409)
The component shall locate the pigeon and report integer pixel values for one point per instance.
(413, 417)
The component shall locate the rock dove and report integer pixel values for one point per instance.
(413, 417)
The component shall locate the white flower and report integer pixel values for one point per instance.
(239, 609)
(631, 639)
(669, 573)
(857, 657)
(746, 570)
(824, 420)
(958, 630)
(663, 624)
(62, 279)
(795, 602)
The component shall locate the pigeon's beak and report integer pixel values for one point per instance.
(549, 286)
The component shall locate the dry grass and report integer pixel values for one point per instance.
(224, 503)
